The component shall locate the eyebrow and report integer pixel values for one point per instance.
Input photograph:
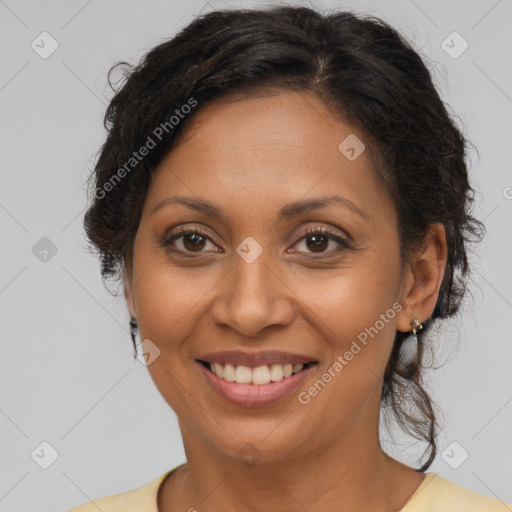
(285, 213)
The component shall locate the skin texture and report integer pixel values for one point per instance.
(250, 157)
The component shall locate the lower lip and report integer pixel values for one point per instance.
(253, 395)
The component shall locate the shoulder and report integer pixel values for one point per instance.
(136, 500)
(438, 494)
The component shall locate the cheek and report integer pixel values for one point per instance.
(355, 324)
(167, 299)
(356, 306)
(169, 304)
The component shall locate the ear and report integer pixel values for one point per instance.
(422, 279)
(128, 291)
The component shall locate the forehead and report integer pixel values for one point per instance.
(272, 123)
(269, 150)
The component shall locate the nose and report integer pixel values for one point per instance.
(252, 297)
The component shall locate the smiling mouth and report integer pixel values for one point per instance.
(259, 376)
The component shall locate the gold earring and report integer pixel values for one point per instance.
(409, 349)
(416, 326)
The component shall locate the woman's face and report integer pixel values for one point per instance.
(249, 287)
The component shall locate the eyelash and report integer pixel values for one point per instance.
(311, 231)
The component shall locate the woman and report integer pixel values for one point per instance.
(286, 200)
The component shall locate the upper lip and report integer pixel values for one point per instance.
(255, 359)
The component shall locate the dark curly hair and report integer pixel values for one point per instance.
(367, 73)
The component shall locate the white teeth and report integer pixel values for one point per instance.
(276, 372)
(229, 373)
(260, 376)
(243, 375)
(218, 369)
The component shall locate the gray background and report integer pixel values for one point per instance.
(67, 374)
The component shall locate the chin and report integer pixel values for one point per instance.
(260, 442)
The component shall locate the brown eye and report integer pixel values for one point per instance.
(318, 243)
(317, 240)
(191, 239)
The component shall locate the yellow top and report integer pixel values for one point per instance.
(435, 494)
